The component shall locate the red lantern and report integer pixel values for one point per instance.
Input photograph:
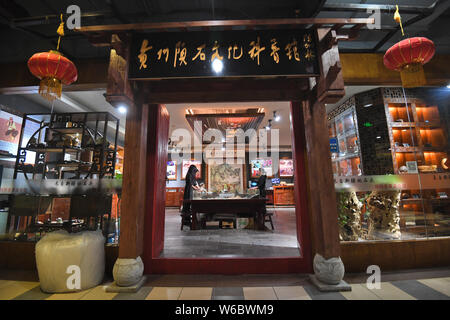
(408, 56)
(53, 69)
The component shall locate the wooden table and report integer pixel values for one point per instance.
(251, 208)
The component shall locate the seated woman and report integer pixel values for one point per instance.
(262, 193)
(191, 185)
(261, 183)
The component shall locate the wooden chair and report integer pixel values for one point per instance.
(268, 218)
(186, 220)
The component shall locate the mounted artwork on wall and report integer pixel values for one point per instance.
(286, 168)
(171, 173)
(265, 164)
(187, 164)
(225, 177)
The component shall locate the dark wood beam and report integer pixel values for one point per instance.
(368, 69)
(357, 68)
(226, 90)
(92, 75)
(224, 23)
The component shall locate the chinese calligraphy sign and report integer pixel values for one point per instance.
(239, 53)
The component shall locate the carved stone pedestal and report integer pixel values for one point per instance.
(128, 275)
(328, 274)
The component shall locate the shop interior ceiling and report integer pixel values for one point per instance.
(178, 113)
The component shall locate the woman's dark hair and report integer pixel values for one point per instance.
(192, 170)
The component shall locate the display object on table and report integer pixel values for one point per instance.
(276, 181)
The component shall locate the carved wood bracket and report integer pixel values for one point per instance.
(330, 86)
(119, 90)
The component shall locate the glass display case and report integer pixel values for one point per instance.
(401, 143)
(343, 127)
(205, 195)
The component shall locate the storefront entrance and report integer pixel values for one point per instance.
(317, 82)
(155, 210)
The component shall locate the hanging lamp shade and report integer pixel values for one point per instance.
(408, 57)
(53, 69)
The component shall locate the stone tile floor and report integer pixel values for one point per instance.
(216, 243)
(394, 286)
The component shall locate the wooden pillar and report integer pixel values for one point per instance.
(120, 92)
(321, 193)
(302, 212)
(134, 183)
(157, 155)
(320, 182)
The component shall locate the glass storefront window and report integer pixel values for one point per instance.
(396, 185)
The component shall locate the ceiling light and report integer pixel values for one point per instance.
(367, 105)
(276, 116)
(122, 109)
(217, 65)
(448, 86)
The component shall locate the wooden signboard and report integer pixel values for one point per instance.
(223, 54)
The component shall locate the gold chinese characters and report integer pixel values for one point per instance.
(182, 53)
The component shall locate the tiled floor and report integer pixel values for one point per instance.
(301, 289)
(221, 243)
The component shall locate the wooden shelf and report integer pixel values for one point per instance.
(395, 124)
(72, 130)
(406, 149)
(54, 149)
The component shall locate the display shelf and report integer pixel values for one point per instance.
(68, 131)
(76, 134)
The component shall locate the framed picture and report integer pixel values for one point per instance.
(229, 177)
(286, 168)
(185, 167)
(265, 164)
(10, 127)
(171, 173)
(412, 167)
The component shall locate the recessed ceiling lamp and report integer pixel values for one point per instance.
(276, 117)
(368, 105)
(122, 109)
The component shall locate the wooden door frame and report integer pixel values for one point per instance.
(315, 196)
(154, 264)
